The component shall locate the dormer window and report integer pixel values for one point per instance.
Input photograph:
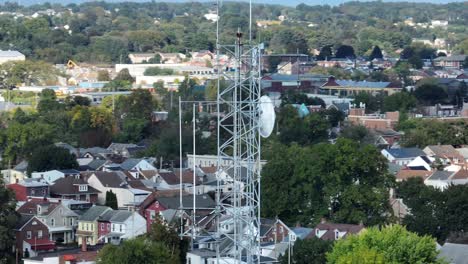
(39, 210)
(83, 188)
(317, 231)
(337, 234)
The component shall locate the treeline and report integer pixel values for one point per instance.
(107, 32)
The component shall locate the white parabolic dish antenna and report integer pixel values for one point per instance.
(267, 116)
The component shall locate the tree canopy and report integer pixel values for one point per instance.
(392, 244)
(45, 158)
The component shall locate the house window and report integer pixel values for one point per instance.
(33, 192)
(337, 234)
(281, 230)
(39, 234)
(38, 209)
(102, 226)
(52, 222)
(44, 191)
(71, 221)
(113, 228)
(34, 223)
(28, 234)
(108, 226)
(152, 215)
(64, 221)
(83, 188)
(120, 228)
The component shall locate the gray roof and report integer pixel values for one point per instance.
(22, 166)
(349, 83)
(94, 212)
(129, 164)
(95, 150)
(115, 179)
(342, 106)
(451, 58)
(96, 164)
(120, 216)
(454, 253)
(203, 252)
(393, 168)
(440, 175)
(404, 153)
(302, 232)
(10, 53)
(107, 216)
(202, 201)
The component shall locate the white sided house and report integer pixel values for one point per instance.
(117, 183)
(126, 225)
(402, 156)
(53, 175)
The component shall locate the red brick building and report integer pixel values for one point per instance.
(32, 236)
(29, 188)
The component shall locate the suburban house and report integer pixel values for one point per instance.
(104, 225)
(137, 165)
(450, 62)
(443, 179)
(32, 236)
(140, 57)
(405, 174)
(17, 174)
(402, 156)
(126, 225)
(60, 220)
(274, 230)
(53, 175)
(332, 231)
(117, 182)
(88, 229)
(74, 188)
(445, 153)
(421, 163)
(29, 188)
(124, 149)
(171, 180)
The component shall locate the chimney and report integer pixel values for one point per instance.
(323, 220)
(84, 246)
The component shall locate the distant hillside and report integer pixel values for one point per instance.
(277, 2)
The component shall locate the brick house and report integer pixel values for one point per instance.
(29, 188)
(74, 188)
(32, 236)
(104, 225)
(274, 230)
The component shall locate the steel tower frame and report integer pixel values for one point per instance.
(239, 143)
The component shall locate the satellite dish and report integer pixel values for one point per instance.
(267, 116)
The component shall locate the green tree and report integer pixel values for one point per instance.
(308, 251)
(103, 76)
(137, 250)
(373, 103)
(111, 200)
(345, 51)
(48, 102)
(402, 101)
(50, 157)
(166, 234)
(394, 243)
(430, 94)
(8, 221)
(156, 71)
(345, 182)
(376, 53)
(326, 53)
(15, 73)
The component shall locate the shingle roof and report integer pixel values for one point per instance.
(23, 219)
(67, 185)
(331, 227)
(10, 53)
(115, 179)
(348, 83)
(451, 58)
(172, 178)
(444, 151)
(403, 153)
(454, 253)
(106, 217)
(406, 174)
(128, 164)
(22, 166)
(30, 207)
(120, 216)
(440, 175)
(94, 212)
(202, 201)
